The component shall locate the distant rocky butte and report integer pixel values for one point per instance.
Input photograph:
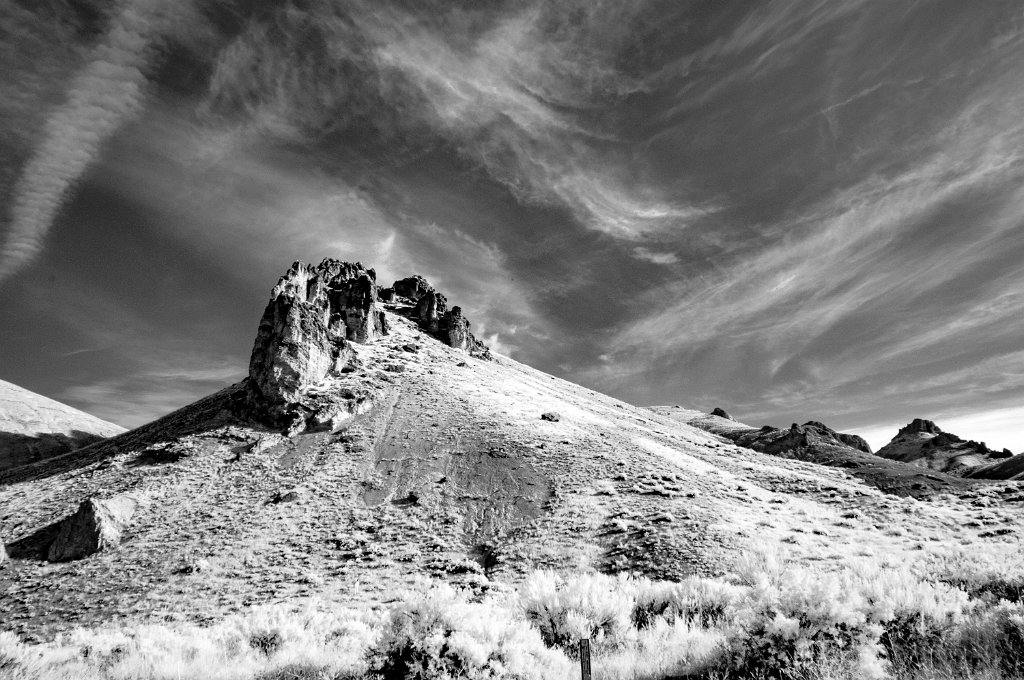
(314, 315)
(905, 465)
(923, 443)
(33, 427)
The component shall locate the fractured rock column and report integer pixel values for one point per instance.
(430, 308)
(313, 313)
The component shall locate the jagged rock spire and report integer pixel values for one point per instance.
(415, 297)
(313, 313)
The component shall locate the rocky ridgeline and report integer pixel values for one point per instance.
(415, 298)
(314, 316)
(923, 443)
(810, 435)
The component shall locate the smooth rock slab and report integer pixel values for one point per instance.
(97, 525)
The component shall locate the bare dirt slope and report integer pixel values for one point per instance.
(452, 473)
(33, 427)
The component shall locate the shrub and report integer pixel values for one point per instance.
(591, 606)
(439, 635)
(792, 626)
(698, 601)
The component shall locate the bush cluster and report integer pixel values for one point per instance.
(768, 619)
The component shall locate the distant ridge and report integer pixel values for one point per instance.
(34, 427)
(923, 443)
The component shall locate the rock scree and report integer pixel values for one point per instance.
(96, 525)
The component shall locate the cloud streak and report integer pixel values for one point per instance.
(107, 91)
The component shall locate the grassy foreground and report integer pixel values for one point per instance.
(956, 617)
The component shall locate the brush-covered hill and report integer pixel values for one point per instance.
(34, 427)
(377, 442)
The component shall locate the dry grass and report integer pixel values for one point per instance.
(770, 618)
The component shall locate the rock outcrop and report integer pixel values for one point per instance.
(430, 309)
(411, 288)
(417, 299)
(306, 336)
(313, 313)
(4, 559)
(924, 444)
(854, 441)
(810, 435)
(96, 525)
(721, 413)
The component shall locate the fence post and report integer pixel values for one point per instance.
(585, 659)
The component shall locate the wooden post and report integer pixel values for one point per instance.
(585, 659)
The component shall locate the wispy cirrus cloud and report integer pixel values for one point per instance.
(878, 278)
(105, 93)
(513, 95)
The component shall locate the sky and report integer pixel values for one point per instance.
(790, 210)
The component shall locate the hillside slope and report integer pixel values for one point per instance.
(435, 463)
(33, 427)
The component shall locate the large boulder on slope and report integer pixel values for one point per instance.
(97, 525)
(453, 329)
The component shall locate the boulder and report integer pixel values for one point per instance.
(313, 313)
(97, 525)
(551, 416)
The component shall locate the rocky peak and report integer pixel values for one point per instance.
(314, 316)
(412, 288)
(416, 298)
(313, 313)
(919, 426)
(854, 441)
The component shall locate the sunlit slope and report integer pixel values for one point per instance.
(33, 427)
(451, 474)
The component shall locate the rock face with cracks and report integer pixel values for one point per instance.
(306, 333)
(313, 313)
(416, 298)
(96, 525)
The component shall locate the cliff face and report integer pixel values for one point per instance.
(314, 316)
